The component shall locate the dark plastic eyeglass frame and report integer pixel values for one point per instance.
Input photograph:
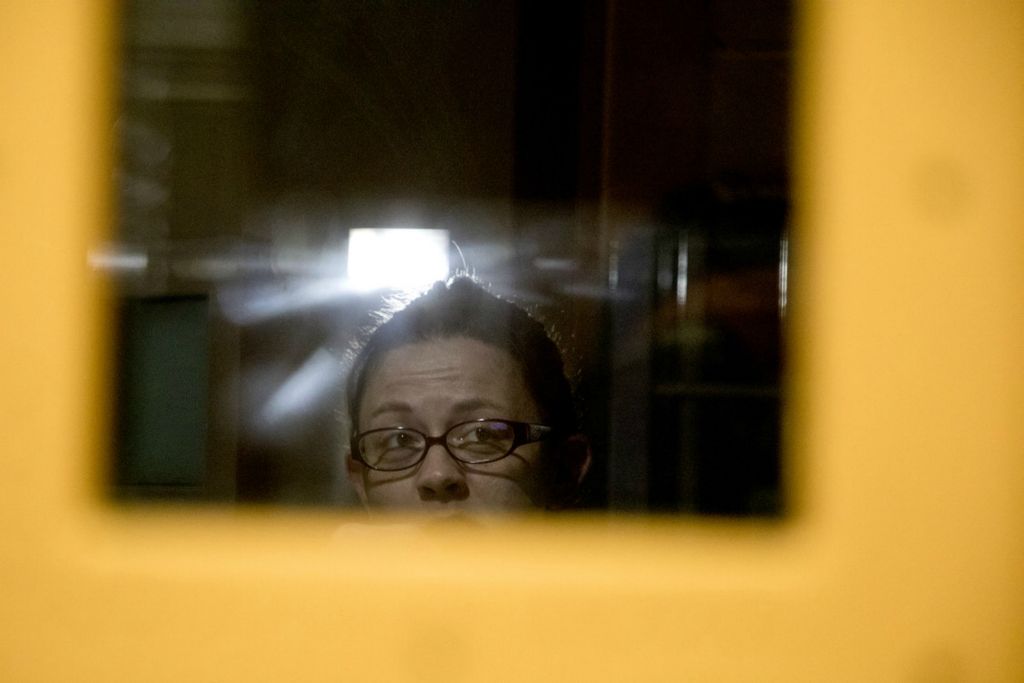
(522, 433)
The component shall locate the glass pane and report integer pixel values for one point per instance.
(290, 173)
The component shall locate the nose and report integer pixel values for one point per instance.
(440, 478)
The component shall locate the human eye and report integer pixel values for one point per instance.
(391, 447)
(483, 438)
(398, 439)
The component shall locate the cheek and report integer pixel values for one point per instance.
(501, 493)
(518, 477)
(517, 482)
(390, 487)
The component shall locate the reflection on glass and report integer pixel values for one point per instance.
(459, 404)
(396, 258)
(291, 175)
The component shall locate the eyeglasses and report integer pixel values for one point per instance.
(473, 443)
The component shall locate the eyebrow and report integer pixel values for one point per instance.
(464, 406)
(391, 407)
(475, 404)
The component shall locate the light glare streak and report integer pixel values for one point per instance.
(396, 258)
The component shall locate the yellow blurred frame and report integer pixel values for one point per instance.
(903, 557)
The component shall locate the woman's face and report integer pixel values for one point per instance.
(430, 386)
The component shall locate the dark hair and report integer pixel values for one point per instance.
(462, 308)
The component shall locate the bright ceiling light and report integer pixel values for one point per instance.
(396, 258)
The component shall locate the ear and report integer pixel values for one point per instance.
(574, 464)
(355, 469)
(578, 458)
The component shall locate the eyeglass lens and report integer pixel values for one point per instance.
(470, 442)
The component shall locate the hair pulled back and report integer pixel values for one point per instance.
(463, 308)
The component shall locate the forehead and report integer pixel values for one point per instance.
(434, 377)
